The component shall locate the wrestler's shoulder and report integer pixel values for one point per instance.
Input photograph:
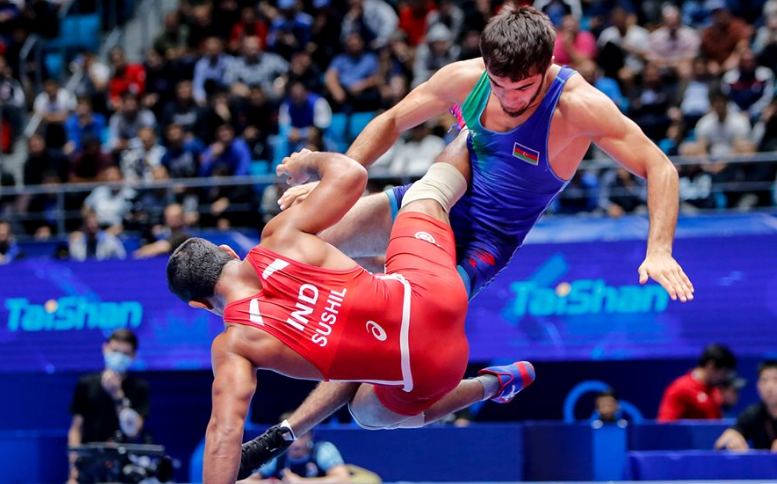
(580, 101)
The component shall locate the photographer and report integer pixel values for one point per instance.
(109, 406)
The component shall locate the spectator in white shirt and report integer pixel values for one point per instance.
(209, 71)
(111, 203)
(673, 46)
(255, 68)
(138, 162)
(93, 243)
(376, 16)
(628, 37)
(437, 50)
(722, 126)
(54, 105)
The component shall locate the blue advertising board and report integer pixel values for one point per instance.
(55, 315)
(583, 301)
(564, 301)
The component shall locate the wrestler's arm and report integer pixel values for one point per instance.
(449, 85)
(597, 117)
(429, 99)
(233, 387)
(343, 181)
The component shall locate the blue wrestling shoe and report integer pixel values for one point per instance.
(512, 379)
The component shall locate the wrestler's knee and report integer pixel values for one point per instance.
(367, 422)
(364, 418)
(369, 413)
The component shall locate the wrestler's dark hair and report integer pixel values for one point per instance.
(517, 43)
(125, 336)
(719, 355)
(766, 365)
(194, 268)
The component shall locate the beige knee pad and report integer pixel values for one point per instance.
(443, 183)
(413, 422)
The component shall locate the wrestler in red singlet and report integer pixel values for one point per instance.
(403, 331)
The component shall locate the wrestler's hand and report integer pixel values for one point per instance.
(295, 195)
(295, 168)
(662, 268)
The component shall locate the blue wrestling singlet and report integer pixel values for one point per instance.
(512, 185)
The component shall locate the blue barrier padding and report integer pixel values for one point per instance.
(702, 464)
(439, 454)
(558, 451)
(676, 436)
(33, 456)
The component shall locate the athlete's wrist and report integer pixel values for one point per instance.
(290, 435)
(659, 250)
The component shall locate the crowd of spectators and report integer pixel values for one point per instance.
(229, 87)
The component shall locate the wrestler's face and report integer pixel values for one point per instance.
(516, 97)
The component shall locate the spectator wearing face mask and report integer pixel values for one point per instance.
(110, 405)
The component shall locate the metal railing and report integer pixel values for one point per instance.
(66, 192)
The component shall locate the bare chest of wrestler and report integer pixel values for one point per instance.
(566, 147)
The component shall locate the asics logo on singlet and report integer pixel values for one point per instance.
(377, 331)
(425, 236)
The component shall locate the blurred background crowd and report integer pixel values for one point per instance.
(127, 126)
(227, 88)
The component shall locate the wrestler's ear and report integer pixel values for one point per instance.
(201, 304)
(229, 251)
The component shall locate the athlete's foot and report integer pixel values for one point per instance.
(512, 379)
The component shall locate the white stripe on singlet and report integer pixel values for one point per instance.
(404, 332)
(276, 265)
(404, 338)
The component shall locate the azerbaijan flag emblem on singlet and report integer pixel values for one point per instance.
(526, 154)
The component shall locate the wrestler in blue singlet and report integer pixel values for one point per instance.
(512, 185)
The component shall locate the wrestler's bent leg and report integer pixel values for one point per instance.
(370, 413)
(365, 229)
